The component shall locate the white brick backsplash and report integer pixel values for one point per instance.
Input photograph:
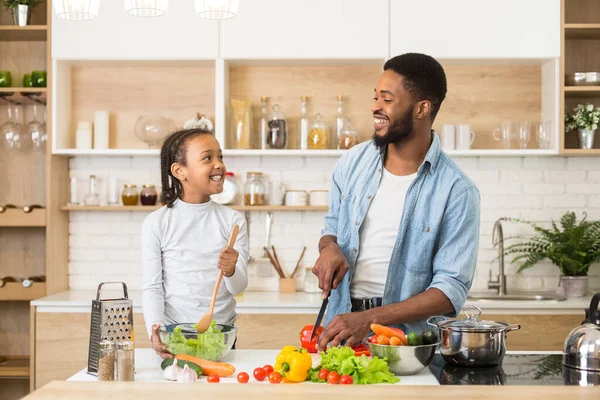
(106, 245)
(543, 188)
(566, 176)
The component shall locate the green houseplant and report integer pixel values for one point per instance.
(21, 10)
(572, 247)
(585, 119)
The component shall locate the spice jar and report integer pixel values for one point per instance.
(318, 135)
(276, 129)
(254, 189)
(348, 136)
(129, 195)
(106, 361)
(148, 195)
(125, 361)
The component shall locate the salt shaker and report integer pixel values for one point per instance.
(125, 361)
(106, 361)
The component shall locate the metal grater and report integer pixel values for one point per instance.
(112, 319)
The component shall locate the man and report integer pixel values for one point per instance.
(401, 235)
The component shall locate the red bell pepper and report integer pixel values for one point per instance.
(361, 349)
(310, 345)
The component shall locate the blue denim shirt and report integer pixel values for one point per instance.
(438, 234)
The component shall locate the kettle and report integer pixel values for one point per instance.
(582, 345)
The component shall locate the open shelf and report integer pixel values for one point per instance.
(582, 91)
(582, 31)
(15, 217)
(15, 291)
(228, 153)
(152, 208)
(15, 367)
(31, 33)
(501, 152)
(581, 152)
(25, 96)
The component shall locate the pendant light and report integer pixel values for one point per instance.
(146, 8)
(76, 10)
(217, 9)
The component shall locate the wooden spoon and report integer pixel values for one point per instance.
(205, 321)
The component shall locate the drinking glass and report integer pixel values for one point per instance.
(544, 134)
(524, 134)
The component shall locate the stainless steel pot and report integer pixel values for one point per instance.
(472, 342)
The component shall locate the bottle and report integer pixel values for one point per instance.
(277, 133)
(73, 185)
(92, 198)
(242, 123)
(125, 361)
(28, 282)
(112, 198)
(264, 129)
(304, 122)
(339, 120)
(318, 136)
(106, 361)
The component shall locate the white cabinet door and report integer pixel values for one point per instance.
(114, 34)
(307, 29)
(476, 28)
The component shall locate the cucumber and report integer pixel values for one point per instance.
(429, 336)
(166, 362)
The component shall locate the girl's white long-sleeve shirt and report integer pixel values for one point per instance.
(180, 250)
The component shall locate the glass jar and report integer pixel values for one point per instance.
(311, 282)
(242, 123)
(230, 190)
(92, 198)
(148, 195)
(348, 136)
(106, 361)
(277, 130)
(125, 361)
(254, 189)
(318, 135)
(129, 195)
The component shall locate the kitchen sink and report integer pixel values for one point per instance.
(550, 297)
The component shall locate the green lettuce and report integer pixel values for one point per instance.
(363, 370)
(207, 345)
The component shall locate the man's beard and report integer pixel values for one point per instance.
(400, 130)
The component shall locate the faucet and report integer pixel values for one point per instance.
(498, 240)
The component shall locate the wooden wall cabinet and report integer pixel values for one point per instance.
(462, 29)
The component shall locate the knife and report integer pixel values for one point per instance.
(322, 311)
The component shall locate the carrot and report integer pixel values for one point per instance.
(389, 332)
(382, 339)
(394, 341)
(209, 367)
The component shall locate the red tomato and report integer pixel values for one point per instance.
(268, 369)
(346, 380)
(213, 378)
(243, 377)
(373, 339)
(260, 374)
(275, 377)
(333, 378)
(323, 374)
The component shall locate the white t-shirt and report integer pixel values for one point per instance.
(180, 251)
(378, 235)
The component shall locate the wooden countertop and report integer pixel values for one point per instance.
(57, 390)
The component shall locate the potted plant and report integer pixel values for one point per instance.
(21, 10)
(572, 248)
(585, 119)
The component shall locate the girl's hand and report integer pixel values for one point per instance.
(157, 344)
(227, 260)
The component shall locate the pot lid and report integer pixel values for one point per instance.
(472, 322)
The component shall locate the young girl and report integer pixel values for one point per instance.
(184, 242)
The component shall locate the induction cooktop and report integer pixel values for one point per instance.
(529, 369)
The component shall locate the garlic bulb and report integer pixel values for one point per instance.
(200, 122)
(187, 375)
(170, 373)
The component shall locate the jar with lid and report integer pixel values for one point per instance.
(318, 135)
(311, 282)
(348, 136)
(106, 361)
(129, 195)
(254, 189)
(148, 195)
(125, 361)
(230, 190)
(277, 129)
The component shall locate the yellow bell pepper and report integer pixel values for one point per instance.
(293, 364)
